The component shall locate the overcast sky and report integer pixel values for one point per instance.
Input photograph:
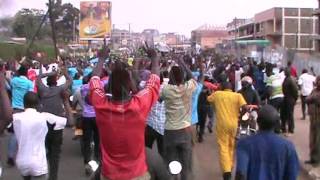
(179, 16)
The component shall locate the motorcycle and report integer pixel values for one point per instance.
(247, 123)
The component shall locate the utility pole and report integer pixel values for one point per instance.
(53, 28)
(129, 41)
(74, 30)
(37, 32)
(235, 37)
(318, 24)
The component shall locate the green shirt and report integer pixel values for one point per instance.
(177, 101)
(275, 81)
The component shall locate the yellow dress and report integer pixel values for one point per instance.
(227, 106)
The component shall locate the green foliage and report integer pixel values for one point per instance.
(26, 23)
(9, 51)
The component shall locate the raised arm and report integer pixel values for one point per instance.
(186, 69)
(60, 122)
(201, 66)
(103, 55)
(68, 78)
(155, 67)
(97, 93)
(39, 82)
(5, 106)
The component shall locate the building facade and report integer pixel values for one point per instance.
(292, 28)
(209, 36)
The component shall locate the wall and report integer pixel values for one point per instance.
(210, 42)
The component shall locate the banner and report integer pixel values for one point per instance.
(95, 20)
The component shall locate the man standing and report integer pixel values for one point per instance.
(227, 106)
(178, 134)
(266, 155)
(52, 101)
(313, 101)
(290, 92)
(305, 82)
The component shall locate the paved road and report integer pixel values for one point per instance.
(205, 161)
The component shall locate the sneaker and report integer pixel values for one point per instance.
(88, 170)
(209, 129)
(200, 139)
(10, 162)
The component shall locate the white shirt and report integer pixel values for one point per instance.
(30, 128)
(306, 82)
(238, 79)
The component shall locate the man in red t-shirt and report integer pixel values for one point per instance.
(121, 120)
(293, 70)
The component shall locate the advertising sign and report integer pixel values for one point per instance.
(95, 20)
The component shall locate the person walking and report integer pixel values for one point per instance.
(306, 83)
(313, 101)
(156, 120)
(121, 119)
(266, 155)
(52, 101)
(290, 92)
(20, 85)
(227, 106)
(177, 96)
(89, 127)
(275, 95)
(6, 109)
(31, 158)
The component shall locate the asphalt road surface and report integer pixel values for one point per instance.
(205, 155)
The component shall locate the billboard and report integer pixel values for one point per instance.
(95, 20)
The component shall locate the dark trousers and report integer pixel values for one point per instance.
(150, 136)
(303, 105)
(90, 131)
(53, 145)
(203, 112)
(43, 177)
(277, 104)
(314, 140)
(178, 147)
(287, 112)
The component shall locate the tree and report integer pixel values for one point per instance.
(5, 26)
(26, 22)
(66, 20)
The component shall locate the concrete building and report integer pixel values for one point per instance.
(209, 36)
(120, 37)
(292, 28)
(149, 35)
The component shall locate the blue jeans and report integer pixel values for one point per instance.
(12, 146)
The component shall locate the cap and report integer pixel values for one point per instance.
(247, 79)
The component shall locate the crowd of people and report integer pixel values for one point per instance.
(119, 109)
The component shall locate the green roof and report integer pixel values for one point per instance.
(254, 42)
